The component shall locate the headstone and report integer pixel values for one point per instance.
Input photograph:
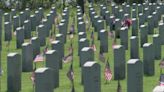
(19, 37)
(134, 27)
(27, 29)
(60, 38)
(7, 17)
(161, 32)
(44, 80)
(22, 18)
(42, 35)
(14, 70)
(143, 35)
(134, 47)
(150, 25)
(81, 35)
(104, 40)
(52, 61)
(157, 46)
(119, 62)
(35, 46)
(148, 59)
(124, 37)
(57, 45)
(83, 42)
(8, 31)
(33, 22)
(15, 22)
(27, 57)
(117, 28)
(135, 76)
(81, 27)
(92, 77)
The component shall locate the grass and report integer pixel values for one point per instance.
(65, 84)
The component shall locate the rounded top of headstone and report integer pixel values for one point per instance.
(147, 44)
(150, 4)
(63, 14)
(149, 16)
(133, 61)
(26, 21)
(96, 16)
(85, 49)
(158, 7)
(123, 28)
(117, 46)
(117, 19)
(102, 30)
(104, 8)
(112, 16)
(7, 23)
(140, 14)
(41, 25)
(6, 13)
(142, 26)
(50, 51)
(51, 12)
(25, 44)
(116, 7)
(106, 11)
(79, 18)
(53, 7)
(134, 4)
(133, 19)
(55, 42)
(93, 12)
(27, 9)
(79, 13)
(34, 38)
(32, 15)
(15, 17)
(18, 28)
(44, 20)
(154, 13)
(78, 6)
(21, 12)
(126, 14)
(156, 35)
(133, 37)
(58, 35)
(161, 23)
(12, 54)
(101, 5)
(123, 3)
(82, 39)
(121, 10)
(81, 33)
(81, 22)
(61, 24)
(79, 10)
(127, 5)
(40, 8)
(133, 9)
(12, 9)
(99, 21)
(41, 70)
(36, 11)
(139, 4)
(48, 14)
(146, 9)
(113, 4)
(63, 20)
(91, 9)
(89, 63)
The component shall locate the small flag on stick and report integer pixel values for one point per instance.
(70, 73)
(108, 72)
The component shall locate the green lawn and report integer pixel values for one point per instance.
(65, 84)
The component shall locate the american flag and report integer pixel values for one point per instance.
(33, 76)
(45, 50)
(108, 72)
(68, 58)
(119, 87)
(39, 58)
(92, 35)
(70, 73)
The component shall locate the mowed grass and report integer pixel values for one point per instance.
(65, 84)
